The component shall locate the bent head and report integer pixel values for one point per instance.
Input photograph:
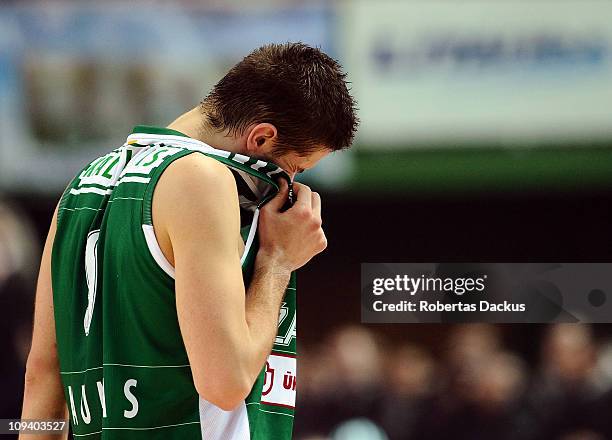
(288, 103)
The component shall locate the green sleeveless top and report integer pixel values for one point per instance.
(123, 363)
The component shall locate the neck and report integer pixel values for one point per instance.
(195, 125)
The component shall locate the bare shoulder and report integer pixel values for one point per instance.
(197, 169)
(195, 192)
(195, 179)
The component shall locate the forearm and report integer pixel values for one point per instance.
(263, 301)
(43, 400)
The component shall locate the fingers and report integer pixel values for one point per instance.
(316, 205)
(304, 196)
(276, 203)
(307, 201)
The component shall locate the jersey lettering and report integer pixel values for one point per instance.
(285, 338)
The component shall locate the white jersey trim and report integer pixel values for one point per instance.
(250, 237)
(156, 251)
(178, 141)
(93, 190)
(164, 264)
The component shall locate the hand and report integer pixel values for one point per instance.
(290, 239)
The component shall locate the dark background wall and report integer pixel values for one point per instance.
(552, 226)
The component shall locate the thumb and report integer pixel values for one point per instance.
(278, 201)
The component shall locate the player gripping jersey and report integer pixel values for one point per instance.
(116, 362)
(153, 320)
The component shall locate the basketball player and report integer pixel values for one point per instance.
(165, 306)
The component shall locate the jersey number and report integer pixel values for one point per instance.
(91, 274)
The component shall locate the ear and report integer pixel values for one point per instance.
(261, 138)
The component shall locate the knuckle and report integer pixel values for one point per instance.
(322, 240)
(302, 212)
(323, 243)
(302, 188)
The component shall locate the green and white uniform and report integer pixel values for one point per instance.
(123, 363)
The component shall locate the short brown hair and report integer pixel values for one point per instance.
(299, 89)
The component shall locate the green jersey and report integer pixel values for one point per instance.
(123, 363)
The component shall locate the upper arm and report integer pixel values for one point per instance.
(43, 353)
(43, 393)
(196, 204)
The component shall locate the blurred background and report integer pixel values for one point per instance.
(486, 136)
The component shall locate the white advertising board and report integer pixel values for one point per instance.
(455, 72)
